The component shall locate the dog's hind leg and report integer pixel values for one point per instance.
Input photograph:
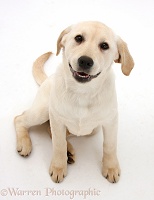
(36, 115)
(22, 124)
(24, 145)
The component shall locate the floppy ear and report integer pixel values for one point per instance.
(59, 41)
(126, 60)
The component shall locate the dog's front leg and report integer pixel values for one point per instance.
(58, 167)
(111, 169)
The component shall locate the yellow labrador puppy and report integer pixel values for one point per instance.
(79, 97)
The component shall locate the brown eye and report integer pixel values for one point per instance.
(104, 46)
(79, 38)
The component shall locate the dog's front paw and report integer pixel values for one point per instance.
(111, 170)
(24, 146)
(111, 174)
(57, 173)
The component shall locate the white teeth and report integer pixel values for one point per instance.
(82, 76)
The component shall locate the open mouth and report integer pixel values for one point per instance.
(82, 76)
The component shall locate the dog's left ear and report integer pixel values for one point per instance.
(60, 41)
(126, 60)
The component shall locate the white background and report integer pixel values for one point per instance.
(29, 28)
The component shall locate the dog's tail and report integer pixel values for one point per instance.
(38, 68)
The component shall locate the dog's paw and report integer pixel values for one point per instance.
(70, 158)
(24, 146)
(70, 153)
(111, 170)
(112, 174)
(57, 173)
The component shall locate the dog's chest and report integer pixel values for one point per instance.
(82, 114)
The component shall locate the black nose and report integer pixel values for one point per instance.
(85, 62)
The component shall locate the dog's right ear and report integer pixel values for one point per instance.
(60, 41)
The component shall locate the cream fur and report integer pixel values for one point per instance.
(77, 107)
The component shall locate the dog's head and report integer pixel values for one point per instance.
(90, 49)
